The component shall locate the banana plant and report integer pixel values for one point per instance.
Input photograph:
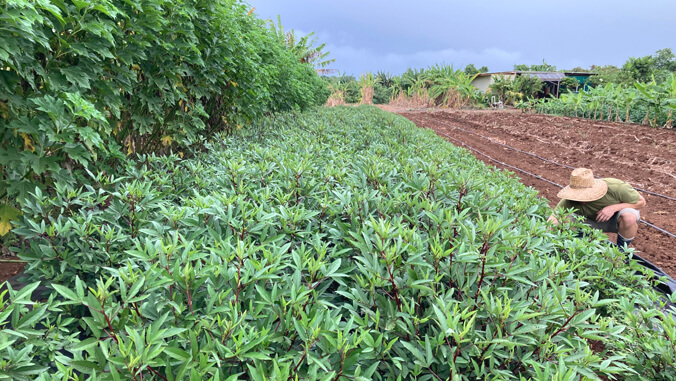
(651, 95)
(447, 86)
(670, 102)
(629, 97)
(500, 87)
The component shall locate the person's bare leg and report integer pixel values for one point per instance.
(628, 225)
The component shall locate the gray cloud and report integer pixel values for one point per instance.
(394, 35)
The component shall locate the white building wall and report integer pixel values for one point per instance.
(482, 83)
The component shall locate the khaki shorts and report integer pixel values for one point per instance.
(612, 224)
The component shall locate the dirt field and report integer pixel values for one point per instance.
(640, 155)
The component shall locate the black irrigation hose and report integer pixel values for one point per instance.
(658, 228)
(536, 176)
(542, 158)
(498, 161)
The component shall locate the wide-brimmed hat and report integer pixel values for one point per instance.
(583, 187)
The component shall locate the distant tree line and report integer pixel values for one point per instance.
(637, 69)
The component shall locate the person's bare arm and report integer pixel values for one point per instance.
(606, 213)
(553, 220)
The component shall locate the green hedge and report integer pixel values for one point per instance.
(84, 82)
(335, 244)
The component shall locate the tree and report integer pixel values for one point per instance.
(543, 67)
(569, 83)
(386, 79)
(501, 87)
(472, 70)
(640, 69)
(664, 59)
(610, 74)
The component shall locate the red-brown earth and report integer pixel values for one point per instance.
(643, 156)
(9, 267)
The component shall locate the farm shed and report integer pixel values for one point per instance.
(552, 80)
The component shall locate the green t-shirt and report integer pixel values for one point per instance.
(618, 192)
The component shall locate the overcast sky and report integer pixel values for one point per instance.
(373, 35)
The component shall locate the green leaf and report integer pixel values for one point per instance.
(67, 293)
(415, 351)
(177, 353)
(76, 76)
(85, 344)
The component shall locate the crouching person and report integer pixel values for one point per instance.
(610, 205)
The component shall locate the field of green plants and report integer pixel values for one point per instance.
(187, 211)
(339, 243)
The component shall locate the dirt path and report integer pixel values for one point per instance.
(640, 155)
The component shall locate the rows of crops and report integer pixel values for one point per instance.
(648, 103)
(340, 243)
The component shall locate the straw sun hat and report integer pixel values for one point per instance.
(583, 187)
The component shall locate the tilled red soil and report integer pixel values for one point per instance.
(9, 267)
(643, 156)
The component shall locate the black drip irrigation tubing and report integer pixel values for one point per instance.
(540, 157)
(536, 176)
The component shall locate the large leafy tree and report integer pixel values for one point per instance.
(472, 70)
(542, 67)
(640, 69)
(664, 59)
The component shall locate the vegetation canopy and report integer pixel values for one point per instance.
(339, 243)
(84, 84)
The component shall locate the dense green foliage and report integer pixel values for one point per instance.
(337, 244)
(649, 103)
(512, 90)
(472, 70)
(637, 69)
(542, 67)
(84, 82)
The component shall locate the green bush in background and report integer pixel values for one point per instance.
(95, 81)
(335, 244)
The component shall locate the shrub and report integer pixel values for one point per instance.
(84, 82)
(340, 243)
